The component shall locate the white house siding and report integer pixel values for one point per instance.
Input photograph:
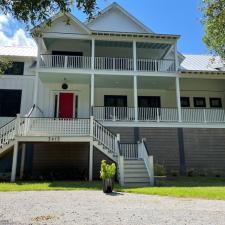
(114, 20)
(48, 90)
(24, 83)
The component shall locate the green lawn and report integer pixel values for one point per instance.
(197, 187)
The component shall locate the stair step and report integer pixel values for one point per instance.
(134, 166)
(135, 174)
(134, 162)
(137, 184)
(136, 179)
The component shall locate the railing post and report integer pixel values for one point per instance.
(91, 126)
(17, 125)
(118, 137)
(204, 114)
(114, 114)
(114, 66)
(157, 114)
(65, 62)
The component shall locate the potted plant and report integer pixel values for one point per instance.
(107, 175)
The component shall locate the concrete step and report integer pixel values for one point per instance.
(133, 162)
(137, 184)
(133, 167)
(136, 179)
(136, 174)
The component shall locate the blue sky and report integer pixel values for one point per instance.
(162, 16)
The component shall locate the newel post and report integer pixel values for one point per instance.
(17, 124)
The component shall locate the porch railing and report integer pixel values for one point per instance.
(152, 65)
(54, 127)
(62, 61)
(188, 115)
(105, 63)
(129, 150)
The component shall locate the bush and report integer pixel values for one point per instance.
(107, 171)
(159, 170)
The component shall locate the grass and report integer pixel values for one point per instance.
(196, 187)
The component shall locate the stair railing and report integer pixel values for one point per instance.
(7, 132)
(148, 160)
(104, 136)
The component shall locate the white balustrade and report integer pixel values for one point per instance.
(202, 115)
(7, 132)
(129, 151)
(105, 63)
(114, 113)
(156, 65)
(55, 127)
(104, 137)
(62, 61)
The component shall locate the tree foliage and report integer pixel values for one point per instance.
(4, 64)
(214, 24)
(34, 12)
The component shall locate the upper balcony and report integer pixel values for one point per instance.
(106, 63)
(102, 55)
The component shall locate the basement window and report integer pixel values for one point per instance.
(215, 102)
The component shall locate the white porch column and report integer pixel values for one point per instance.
(91, 162)
(135, 99)
(36, 84)
(178, 98)
(92, 92)
(93, 54)
(14, 162)
(22, 163)
(135, 55)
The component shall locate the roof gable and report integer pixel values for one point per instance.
(115, 18)
(67, 23)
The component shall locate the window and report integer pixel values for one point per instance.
(10, 101)
(185, 101)
(149, 101)
(199, 102)
(115, 101)
(215, 102)
(16, 69)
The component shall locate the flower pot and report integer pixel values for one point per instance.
(107, 185)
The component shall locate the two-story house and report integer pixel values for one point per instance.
(110, 89)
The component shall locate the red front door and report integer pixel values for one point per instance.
(66, 105)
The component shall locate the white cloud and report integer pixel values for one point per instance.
(19, 37)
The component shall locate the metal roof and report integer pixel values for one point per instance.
(202, 63)
(18, 51)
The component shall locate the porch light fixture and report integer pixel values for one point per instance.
(64, 85)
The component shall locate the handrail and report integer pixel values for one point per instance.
(144, 143)
(7, 123)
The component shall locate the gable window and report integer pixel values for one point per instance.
(215, 102)
(16, 68)
(199, 102)
(185, 101)
(10, 101)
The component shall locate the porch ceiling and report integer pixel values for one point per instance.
(60, 78)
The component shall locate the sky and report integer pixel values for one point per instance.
(162, 16)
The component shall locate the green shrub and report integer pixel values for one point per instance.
(159, 170)
(107, 171)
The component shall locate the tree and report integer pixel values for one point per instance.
(214, 24)
(4, 64)
(34, 12)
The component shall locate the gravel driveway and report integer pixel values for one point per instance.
(94, 207)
